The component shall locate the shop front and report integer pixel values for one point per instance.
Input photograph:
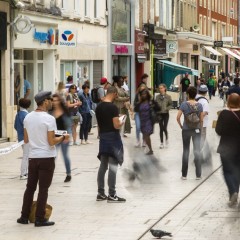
(35, 62)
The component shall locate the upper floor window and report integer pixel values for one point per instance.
(77, 6)
(87, 8)
(121, 21)
(41, 2)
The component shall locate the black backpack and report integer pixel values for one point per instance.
(94, 95)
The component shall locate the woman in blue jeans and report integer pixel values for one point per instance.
(136, 115)
(189, 131)
(63, 120)
(86, 111)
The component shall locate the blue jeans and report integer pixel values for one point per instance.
(210, 91)
(64, 147)
(138, 125)
(86, 123)
(187, 134)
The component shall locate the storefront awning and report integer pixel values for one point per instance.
(179, 69)
(213, 51)
(209, 60)
(232, 54)
(166, 72)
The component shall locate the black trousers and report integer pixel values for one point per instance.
(163, 125)
(40, 171)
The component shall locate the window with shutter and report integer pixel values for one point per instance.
(97, 72)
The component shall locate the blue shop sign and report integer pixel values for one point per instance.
(44, 37)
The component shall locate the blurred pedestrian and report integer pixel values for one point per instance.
(191, 129)
(137, 101)
(110, 146)
(165, 103)
(24, 104)
(146, 120)
(64, 123)
(210, 85)
(39, 132)
(201, 98)
(121, 101)
(73, 104)
(61, 91)
(185, 83)
(235, 88)
(86, 110)
(228, 128)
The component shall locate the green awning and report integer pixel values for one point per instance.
(167, 71)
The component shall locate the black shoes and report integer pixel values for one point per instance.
(68, 178)
(101, 197)
(44, 223)
(22, 220)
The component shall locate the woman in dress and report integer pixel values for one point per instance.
(63, 121)
(146, 119)
(228, 128)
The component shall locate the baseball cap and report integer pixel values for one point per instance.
(41, 96)
(103, 80)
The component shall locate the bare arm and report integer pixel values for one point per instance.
(27, 93)
(53, 140)
(179, 114)
(117, 123)
(25, 137)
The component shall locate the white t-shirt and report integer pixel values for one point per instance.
(38, 124)
(205, 106)
(125, 87)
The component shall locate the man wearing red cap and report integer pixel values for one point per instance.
(102, 88)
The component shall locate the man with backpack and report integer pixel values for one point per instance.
(201, 98)
(191, 128)
(98, 93)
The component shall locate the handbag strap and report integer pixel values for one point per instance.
(236, 116)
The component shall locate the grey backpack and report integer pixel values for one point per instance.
(192, 119)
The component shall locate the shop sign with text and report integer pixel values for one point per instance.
(67, 38)
(139, 42)
(44, 37)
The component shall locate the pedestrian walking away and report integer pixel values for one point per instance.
(165, 103)
(64, 123)
(191, 129)
(201, 98)
(24, 104)
(185, 83)
(228, 128)
(39, 132)
(211, 85)
(110, 146)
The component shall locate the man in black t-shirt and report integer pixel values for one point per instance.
(185, 83)
(110, 145)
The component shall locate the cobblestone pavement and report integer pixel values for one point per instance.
(75, 210)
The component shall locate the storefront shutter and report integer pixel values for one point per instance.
(97, 72)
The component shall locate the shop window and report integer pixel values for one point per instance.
(66, 70)
(83, 69)
(121, 21)
(97, 72)
(18, 54)
(28, 54)
(40, 54)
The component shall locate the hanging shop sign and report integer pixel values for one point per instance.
(45, 37)
(172, 46)
(159, 46)
(67, 38)
(139, 42)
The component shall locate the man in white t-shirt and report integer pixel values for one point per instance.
(201, 98)
(39, 132)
